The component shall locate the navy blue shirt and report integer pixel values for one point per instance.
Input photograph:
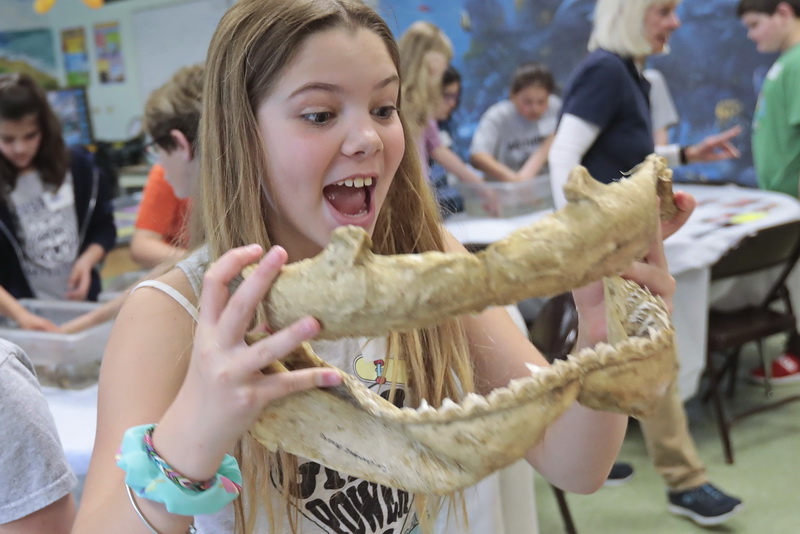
(608, 91)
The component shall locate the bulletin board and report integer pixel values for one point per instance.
(168, 37)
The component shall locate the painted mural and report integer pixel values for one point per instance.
(714, 72)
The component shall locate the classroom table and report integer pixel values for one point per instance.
(724, 216)
(75, 414)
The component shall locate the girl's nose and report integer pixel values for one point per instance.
(362, 140)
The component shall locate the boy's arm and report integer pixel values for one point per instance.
(55, 518)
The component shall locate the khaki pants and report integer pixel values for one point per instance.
(670, 446)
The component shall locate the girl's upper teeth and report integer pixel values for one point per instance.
(356, 182)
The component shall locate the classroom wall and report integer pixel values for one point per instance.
(714, 72)
(175, 41)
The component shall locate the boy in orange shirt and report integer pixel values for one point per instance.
(172, 117)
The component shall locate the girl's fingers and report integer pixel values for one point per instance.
(276, 386)
(278, 345)
(655, 278)
(235, 319)
(686, 204)
(219, 275)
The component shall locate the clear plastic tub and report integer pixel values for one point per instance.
(507, 199)
(62, 360)
(113, 287)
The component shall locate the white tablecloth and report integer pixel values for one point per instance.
(725, 215)
(75, 413)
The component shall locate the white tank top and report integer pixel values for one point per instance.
(330, 503)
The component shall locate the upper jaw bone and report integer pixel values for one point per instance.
(353, 292)
(436, 451)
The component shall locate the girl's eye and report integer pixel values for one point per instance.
(385, 112)
(319, 117)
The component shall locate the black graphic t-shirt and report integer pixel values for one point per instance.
(331, 502)
(48, 227)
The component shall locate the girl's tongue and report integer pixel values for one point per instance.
(350, 201)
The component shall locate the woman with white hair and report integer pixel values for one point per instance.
(606, 126)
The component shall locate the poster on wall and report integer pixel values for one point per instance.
(107, 42)
(76, 57)
(31, 52)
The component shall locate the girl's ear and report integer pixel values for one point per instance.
(182, 144)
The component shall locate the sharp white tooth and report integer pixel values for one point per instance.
(518, 383)
(425, 407)
(474, 400)
(348, 182)
(533, 368)
(448, 405)
(367, 182)
(358, 182)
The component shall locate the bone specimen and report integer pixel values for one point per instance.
(354, 292)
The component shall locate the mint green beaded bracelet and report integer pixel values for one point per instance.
(148, 480)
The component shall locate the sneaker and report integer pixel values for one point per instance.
(620, 474)
(705, 505)
(785, 370)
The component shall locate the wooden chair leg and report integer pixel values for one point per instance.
(563, 507)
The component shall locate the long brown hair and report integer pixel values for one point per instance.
(254, 42)
(21, 97)
(421, 93)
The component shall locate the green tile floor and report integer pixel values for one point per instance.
(765, 475)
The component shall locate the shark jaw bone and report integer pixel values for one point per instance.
(438, 451)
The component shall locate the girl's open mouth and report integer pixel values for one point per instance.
(352, 197)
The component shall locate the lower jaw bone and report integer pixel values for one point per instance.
(351, 429)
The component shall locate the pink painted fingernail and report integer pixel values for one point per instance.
(329, 378)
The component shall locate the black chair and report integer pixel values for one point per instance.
(774, 251)
(554, 332)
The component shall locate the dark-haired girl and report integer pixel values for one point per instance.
(56, 219)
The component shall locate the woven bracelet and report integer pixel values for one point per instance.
(150, 477)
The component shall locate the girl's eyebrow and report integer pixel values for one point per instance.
(332, 88)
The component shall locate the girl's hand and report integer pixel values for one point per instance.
(79, 281)
(652, 272)
(225, 389)
(31, 321)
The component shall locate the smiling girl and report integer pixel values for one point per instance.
(56, 219)
(301, 134)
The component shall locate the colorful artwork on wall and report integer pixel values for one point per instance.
(108, 47)
(32, 52)
(76, 57)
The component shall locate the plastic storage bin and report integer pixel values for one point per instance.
(115, 286)
(507, 199)
(62, 360)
